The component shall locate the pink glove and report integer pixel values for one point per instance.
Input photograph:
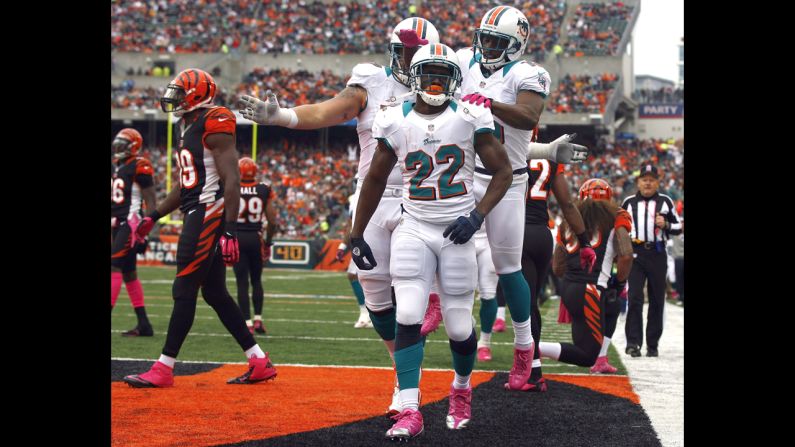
(144, 228)
(266, 252)
(133, 221)
(587, 258)
(624, 292)
(410, 39)
(230, 250)
(477, 99)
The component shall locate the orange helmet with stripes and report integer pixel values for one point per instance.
(424, 29)
(126, 144)
(501, 37)
(191, 89)
(248, 169)
(596, 189)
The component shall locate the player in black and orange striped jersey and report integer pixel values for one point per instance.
(584, 293)
(131, 184)
(255, 208)
(545, 177)
(209, 197)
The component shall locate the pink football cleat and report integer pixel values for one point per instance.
(484, 354)
(433, 315)
(258, 370)
(460, 411)
(409, 424)
(159, 376)
(601, 366)
(499, 325)
(520, 372)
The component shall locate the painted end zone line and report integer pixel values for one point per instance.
(304, 365)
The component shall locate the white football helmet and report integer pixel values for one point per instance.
(433, 87)
(504, 29)
(424, 29)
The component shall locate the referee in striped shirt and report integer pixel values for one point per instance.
(654, 220)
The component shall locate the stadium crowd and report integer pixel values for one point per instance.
(661, 95)
(305, 27)
(311, 187)
(294, 87)
(582, 94)
(596, 29)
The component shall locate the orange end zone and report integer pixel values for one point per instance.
(203, 410)
(614, 385)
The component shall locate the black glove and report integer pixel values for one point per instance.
(141, 247)
(360, 252)
(614, 283)
(463, 228)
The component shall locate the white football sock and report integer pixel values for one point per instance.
(168, 361)
(522, 337)
(605, 346)
(549, 350)
(255, 351)
(501, 313)
(461, 382)
(410, 398)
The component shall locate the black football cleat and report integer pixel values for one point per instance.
(139, 331)
(633, 350)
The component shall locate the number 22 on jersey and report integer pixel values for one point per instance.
(423, 163)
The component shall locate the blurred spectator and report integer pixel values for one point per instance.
(582, 94)
(661, 95)
(596, 29)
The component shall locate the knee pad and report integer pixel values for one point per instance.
(377, 294)
(458, 323)
(457, 271)
(412, 300)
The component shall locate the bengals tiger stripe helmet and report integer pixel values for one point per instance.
(191, 89)
(126, 144)
(595, 189)
(248, 169)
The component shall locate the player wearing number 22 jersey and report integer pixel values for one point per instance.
(434, 142)
(255, 206)
(208, 196)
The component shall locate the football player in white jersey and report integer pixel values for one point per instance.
(493, 73)
(369, 87)
(434, 142)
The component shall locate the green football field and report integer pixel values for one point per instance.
(309, 316)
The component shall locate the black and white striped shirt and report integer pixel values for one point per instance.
(644, 210)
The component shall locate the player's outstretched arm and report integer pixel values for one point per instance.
(524, 114)
(562, 150)
(560, 188)
(340, 109)
(494, 158)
